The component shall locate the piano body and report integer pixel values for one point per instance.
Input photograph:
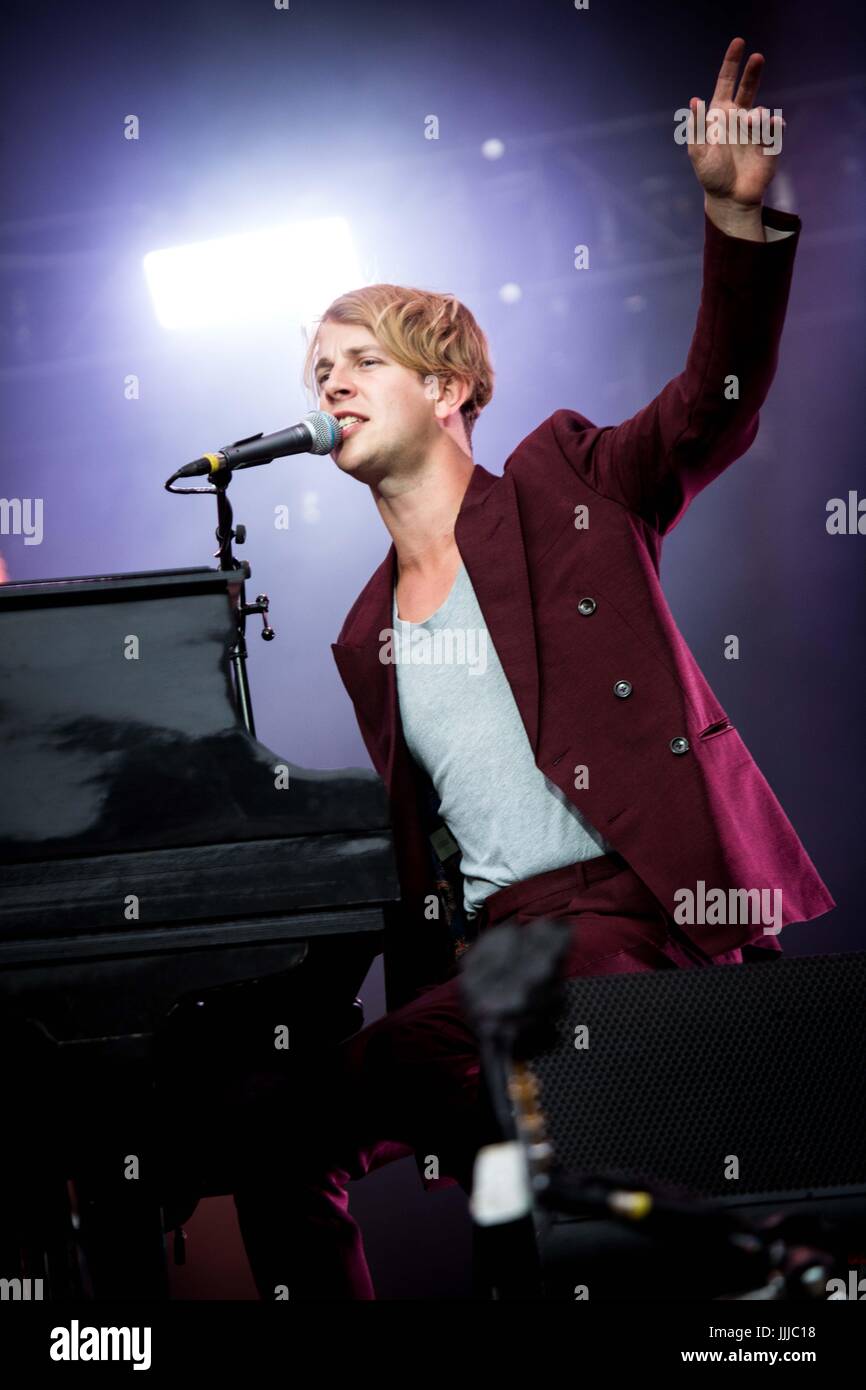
(185, 918)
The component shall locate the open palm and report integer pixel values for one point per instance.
(734, 169)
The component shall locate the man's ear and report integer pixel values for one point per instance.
(448, 392)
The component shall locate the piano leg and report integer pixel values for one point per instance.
(37, 1239)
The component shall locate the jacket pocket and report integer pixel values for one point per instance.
(720, 726)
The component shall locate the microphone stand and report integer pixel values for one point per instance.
(225, 534)
(317, 434)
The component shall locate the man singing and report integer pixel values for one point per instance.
(548, 742)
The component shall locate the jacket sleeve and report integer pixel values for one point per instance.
(656, 462)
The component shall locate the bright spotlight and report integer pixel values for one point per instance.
(293, 271)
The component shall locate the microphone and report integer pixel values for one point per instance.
(317, 433)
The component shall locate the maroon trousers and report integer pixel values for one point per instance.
(408, 1083)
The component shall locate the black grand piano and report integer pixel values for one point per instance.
(186, 917)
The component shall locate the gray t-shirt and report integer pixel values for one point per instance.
(462, 724)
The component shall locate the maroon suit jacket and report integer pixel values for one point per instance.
(677, 811)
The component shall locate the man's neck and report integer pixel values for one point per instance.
(421, 514)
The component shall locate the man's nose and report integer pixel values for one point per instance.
(335, 385)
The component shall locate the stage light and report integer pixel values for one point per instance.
(292, 272)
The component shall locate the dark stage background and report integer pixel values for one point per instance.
(252, 116)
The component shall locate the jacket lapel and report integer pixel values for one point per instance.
(490, 541)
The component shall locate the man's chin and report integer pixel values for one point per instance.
(347, 460)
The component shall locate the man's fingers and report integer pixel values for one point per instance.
(750, 82)
(728, 72)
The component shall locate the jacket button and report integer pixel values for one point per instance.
(680, 744)
(622, 689)
(587, 607)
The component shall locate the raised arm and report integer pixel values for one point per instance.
(705, 418)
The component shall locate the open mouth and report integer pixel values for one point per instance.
(352, 423)
(350, 429)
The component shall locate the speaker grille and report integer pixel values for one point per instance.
(762, 1061)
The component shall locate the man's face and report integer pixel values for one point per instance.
(354, 375)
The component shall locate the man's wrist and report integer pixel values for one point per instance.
(735, 219)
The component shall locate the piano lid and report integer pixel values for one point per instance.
(120, 727)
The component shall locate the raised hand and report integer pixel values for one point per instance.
(737, 170)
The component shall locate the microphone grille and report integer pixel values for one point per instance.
(325, 429)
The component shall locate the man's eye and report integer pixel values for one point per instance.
(324, 377)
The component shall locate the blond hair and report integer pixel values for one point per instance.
(432, 334)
